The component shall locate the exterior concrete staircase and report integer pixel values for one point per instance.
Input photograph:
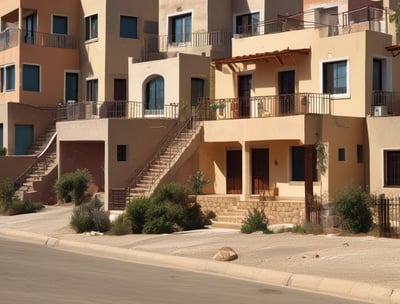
(36, 183)
(167, 157)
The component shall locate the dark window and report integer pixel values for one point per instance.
(197, 91)
(121, 153)
(128, 27)
(298, 164)
(60, 25)
(7, 78)
(247, 23)
(31, 78)
(91, 27)
(392, 168)
(341, 154)
(155, 94)
(360, 154)
(335, 77)
(92, 89)
(181, 28)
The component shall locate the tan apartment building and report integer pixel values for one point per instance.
(293, 84)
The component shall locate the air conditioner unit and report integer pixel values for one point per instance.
(380, 111)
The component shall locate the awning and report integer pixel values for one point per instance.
(395, 49)
(267, 56)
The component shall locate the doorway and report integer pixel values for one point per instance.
(286, 88)
(234, 172)
(260, 170)
(244, 94)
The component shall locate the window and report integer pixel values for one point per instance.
(247, 24)
(335, 77)
(360, 154)
(298, 164)
(7, 78)
(197, 91)
(392, 168)
(341, 154)
(155, 94)
(91, 27)
(23, 138)
(92, 89)
(121, 153)
(128, 27)
(181, 28)
(60, 25)
(31, 78)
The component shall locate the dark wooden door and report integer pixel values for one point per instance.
(119, 105)
(234, 172)
(244, 93)
(260, 170)
(286, 87)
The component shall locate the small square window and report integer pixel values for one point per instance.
(121, 153)
(128, 27)
(392, 168)
(60, 25)
(335, 77)
(342, 154)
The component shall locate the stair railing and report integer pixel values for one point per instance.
(50, 148)
(170, 142)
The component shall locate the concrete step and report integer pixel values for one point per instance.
(220, 224)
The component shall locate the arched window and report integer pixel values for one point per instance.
(155, 94)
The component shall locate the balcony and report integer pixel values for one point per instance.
(13, 37)
(194, 40)
(267, 106)
(385, 103)
(113, 109)
(362, 19)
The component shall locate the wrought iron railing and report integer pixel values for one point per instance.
(268, 106)
(87, 110)
(13, 37)
(195, 40)
(388, 209)
(385, 103)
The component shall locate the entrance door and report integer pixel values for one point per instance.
(260, 170)
(1, 135)
(71, 86)
(30, 29)
(286, 92)
(244, 93)
(234, 172)
(197, 91)
(119, 106)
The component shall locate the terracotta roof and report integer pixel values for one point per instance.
(262, 56)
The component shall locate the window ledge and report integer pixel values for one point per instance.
(91, 40)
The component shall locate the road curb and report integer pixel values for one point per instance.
(336, 287)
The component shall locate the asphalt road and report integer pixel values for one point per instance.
(35, 274)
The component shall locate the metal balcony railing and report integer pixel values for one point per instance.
(195, 40)
(13, 37)
(113, 109)
(385, 103)
(268, 106)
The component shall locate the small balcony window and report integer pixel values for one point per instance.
(121, 153)
(335, 77)
(181, 28)
(247, 23)
(92, 89)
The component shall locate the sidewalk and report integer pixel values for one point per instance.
(365, 268)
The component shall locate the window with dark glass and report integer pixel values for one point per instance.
(7, 78)
(155, 94)
(121, 153)
(341, 154)
(392, 168)
(181, 28)
(298, 164)
(335, 77)
(91, 27)
(128, 27)
(31, 78)
(60, 25)
(92, 88)
(247, 23)
(360, 154)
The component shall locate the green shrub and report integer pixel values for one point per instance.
(120, 226)
(308, 228)
(353, 207)
(199, 182)
(18, 206)
(135, 213)
(90, 217)
(7, 192)
(171, 192)
(255, 221)
(3, 151)
(73, 185)
(162, 217)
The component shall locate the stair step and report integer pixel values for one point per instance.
(220, 224)
(230, 218)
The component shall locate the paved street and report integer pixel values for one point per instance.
(36, 274)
